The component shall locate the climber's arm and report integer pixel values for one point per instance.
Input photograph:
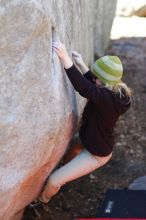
(62, 54)
(67, 62)
(78, 60)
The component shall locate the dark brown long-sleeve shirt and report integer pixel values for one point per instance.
(100, 113)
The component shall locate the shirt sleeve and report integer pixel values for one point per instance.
(88, 75)
(84, 86)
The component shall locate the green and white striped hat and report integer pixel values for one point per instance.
(108, 69)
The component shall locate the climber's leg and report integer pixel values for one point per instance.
(81, 165)
(74, 150)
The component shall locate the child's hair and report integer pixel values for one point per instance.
(119, 88)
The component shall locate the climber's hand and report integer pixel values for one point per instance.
(60, 50)
(77, 58)
(62, 54)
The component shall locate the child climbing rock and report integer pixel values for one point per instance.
(107, 98)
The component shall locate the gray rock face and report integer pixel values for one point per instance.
(39, 109)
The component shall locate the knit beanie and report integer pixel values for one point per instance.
(108, 69)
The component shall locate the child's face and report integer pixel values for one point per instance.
(97, 81)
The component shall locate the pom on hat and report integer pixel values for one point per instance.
(108, 69)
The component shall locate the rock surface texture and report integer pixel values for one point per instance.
(39, 109)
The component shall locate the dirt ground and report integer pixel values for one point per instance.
(83, 197)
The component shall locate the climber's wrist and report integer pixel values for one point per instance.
(83, 68)
(67, 62)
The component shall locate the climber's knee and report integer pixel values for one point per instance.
(49, 191)
(52, 187)
(52, 183)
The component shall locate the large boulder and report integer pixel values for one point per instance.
(130, 8)
(39, 110)
(138, 184)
